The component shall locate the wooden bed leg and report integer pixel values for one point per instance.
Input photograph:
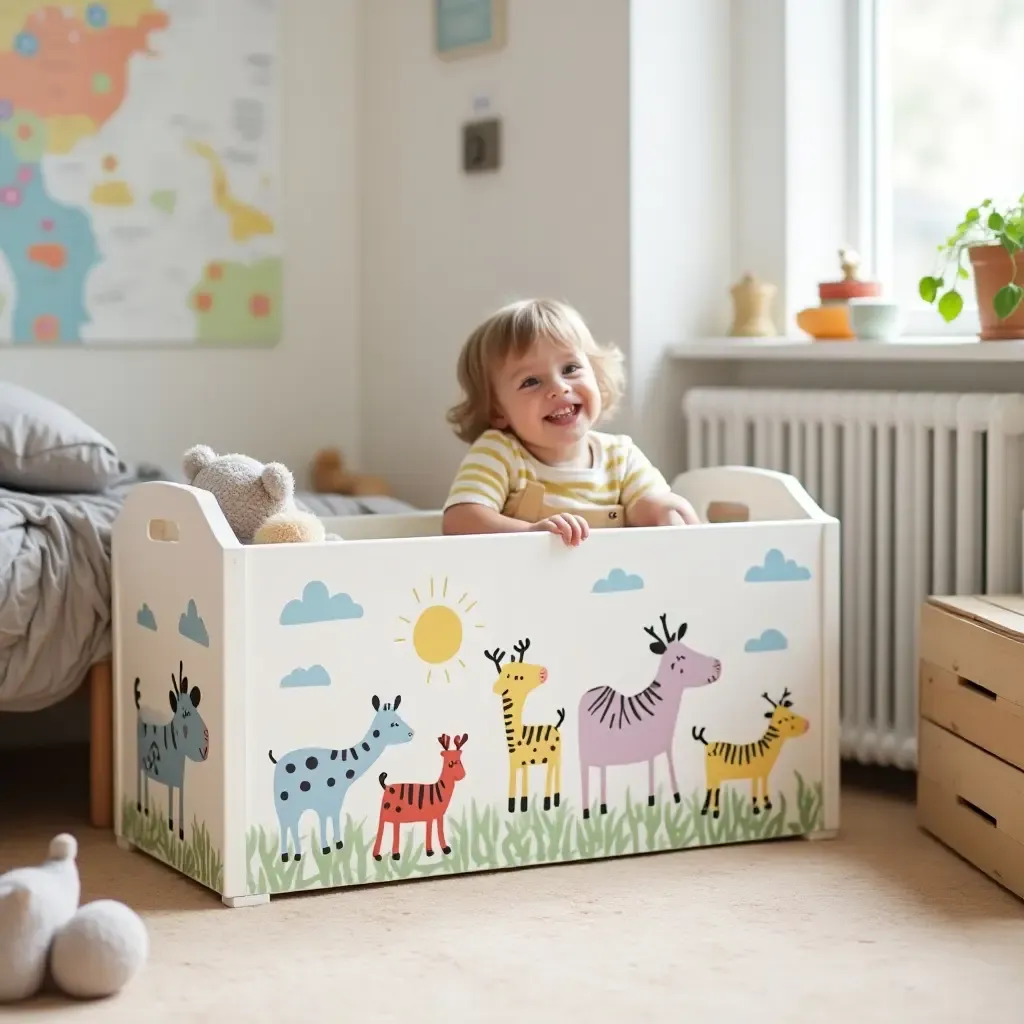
(101, 746)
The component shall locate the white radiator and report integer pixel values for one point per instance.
(928, 491)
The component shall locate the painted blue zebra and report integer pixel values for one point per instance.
(163, 746)
(318, 778)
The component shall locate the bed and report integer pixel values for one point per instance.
(62, 485)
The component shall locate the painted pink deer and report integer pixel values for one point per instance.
(618, 729)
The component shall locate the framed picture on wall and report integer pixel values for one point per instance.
(467, 28)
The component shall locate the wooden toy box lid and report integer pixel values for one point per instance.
(970, 790)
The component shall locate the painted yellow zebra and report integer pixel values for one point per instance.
(733, 762)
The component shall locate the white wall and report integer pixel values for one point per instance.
(154, 404)
(587, 117)
(790, 147)
(680, 204)
(758, 143)
(441, 249)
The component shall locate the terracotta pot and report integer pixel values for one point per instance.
(992, 270)
(842, 291)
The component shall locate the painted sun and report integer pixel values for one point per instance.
(438, 627)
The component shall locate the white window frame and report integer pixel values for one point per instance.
(870, 169)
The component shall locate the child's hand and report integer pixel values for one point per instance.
(669, 510)
(572, 528)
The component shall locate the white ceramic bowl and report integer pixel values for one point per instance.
(873, 319)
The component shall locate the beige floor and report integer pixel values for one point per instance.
(882, 924)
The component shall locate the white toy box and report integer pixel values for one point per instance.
(401, 704)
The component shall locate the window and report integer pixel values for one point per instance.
(937, 97)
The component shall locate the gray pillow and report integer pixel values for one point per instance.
(45, 447)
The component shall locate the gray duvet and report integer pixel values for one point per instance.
(55, 584)
(54, 592)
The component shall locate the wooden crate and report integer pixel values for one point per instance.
(970, 783)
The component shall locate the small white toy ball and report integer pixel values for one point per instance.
(99, 950)
(63, 847)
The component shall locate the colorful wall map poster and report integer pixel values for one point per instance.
(139, 172)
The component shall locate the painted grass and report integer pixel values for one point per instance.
(488, 837)
(196, 856)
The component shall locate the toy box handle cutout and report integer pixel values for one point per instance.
(727, 512)
(163, 530)
(528, 505)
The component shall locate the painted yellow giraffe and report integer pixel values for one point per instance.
(528, 745)
(732, 762)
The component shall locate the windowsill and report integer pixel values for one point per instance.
(908, 349)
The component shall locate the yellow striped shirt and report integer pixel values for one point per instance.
(497, 464)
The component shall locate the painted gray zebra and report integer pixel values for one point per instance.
(164, 746)
(318, 778)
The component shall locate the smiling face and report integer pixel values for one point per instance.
(517, 680)
(452, 767)
(549, 398)
(388, 725)
(788, 722)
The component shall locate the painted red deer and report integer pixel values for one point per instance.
(409, 802)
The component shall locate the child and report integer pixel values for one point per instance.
(536, 384)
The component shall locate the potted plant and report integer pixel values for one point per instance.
(994, 242)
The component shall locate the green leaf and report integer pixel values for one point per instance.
(1011, 245)
(995, 221)
(928, 288)
(963, 273)
(987, 202)
(950, 305)
(1007, 300)
(972, 215)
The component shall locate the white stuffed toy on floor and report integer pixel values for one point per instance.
(99, 950)
(91, 951)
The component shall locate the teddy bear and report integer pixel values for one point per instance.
(257, 499)
(331, 477)
(87, 952)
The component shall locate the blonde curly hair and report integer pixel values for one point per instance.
(513, 331)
